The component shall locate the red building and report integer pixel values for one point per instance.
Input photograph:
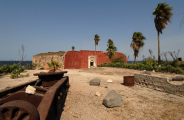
(86, 59)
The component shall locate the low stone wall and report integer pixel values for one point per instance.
(161, 83)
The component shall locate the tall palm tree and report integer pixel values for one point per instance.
(163, 15)
(96, 39)
(137, 43)
(73, 48)
(111, 49)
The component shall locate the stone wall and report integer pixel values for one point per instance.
(161, 83)
(43, 58)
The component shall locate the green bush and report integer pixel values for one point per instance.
(179, 70)
(26, 75)
(118, 60)
(10, 68)
(181, 66)
(141, 66)
(13, 67)
(150, 62)
(5, 69)
(15, 73)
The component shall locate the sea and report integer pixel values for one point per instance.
(14, 62)
(131, 62)
(26, 62)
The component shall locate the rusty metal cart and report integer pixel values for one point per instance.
(46, 104)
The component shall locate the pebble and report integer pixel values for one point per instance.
(98, 94)
(109, 81)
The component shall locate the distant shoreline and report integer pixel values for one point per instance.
(14, 62)
(9, 62)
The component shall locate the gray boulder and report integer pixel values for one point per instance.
(112, 99)
(95, 82)
(146, 72)
(178, 78)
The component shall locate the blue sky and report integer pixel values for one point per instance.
(57, 25)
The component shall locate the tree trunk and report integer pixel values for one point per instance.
(95, 56)
(159, 49)
(135, 59)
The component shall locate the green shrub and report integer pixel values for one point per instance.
(26, 75)
(10, 68)
(5, 69)
(13, 76)
(13, 67)
(118, 60)
(21, 76)
(179, 70)
(140, 66)
(54, 65)
(15, 73)
(28, 66)
(148, 67)
(149, 61)
(181, 66)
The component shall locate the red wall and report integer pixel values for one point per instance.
(79, 59)
(121, 54)
(72, 60)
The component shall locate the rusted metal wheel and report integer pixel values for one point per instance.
(18, 110)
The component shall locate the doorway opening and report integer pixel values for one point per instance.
(91, 63)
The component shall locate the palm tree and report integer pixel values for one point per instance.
(111, 49)
(96, 39)
(137, 43)
(54, 65)
(73, 48)
(163, 15)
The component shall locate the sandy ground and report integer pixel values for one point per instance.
(139, 103)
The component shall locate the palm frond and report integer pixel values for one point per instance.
(137, 42)
(96, 39)
(163, 15)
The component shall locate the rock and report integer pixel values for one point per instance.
(106, 86)
(30, 90)
(146, 72)
(95, 82)
(109, 81)
(181, 119)
(153, 71)
(7, 87)
(112, 99)
(98, 94)
(178, 78)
